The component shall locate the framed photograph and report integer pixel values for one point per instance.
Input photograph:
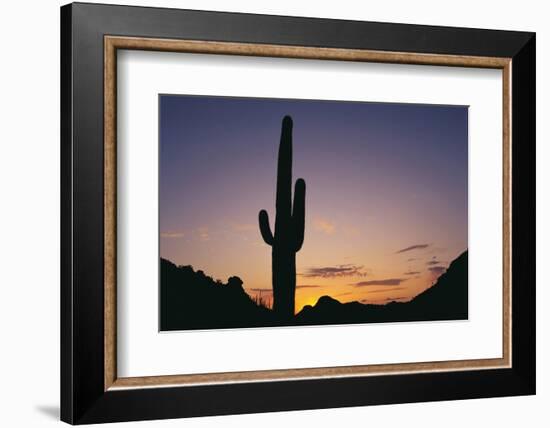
(266, 213)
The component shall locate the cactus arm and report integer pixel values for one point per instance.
(298, 213)
(265, 230)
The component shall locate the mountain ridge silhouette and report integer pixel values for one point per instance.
(191, 300)
(446, 299)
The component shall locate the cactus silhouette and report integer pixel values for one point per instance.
(288, 236)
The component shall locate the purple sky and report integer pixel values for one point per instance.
(380, 178)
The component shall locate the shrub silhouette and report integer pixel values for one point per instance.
(288, 235)
(193, 300)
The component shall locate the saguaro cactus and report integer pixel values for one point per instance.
(288, 237)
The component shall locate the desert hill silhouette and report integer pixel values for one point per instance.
(190, 300)
(447, 299)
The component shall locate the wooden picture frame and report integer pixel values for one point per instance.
(91, 390)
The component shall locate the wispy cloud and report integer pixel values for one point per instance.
(387, 299)
(388, 281)
(437, 269)
(308, 286)
(386, 290)
(412, 247)
(334, 271)
(243, 227)
(395, 299)
(260, 290)
(411, 272)
(432, 262)
(347, 293)
(351, 231)
(172, 235)
(203, 233)
(323, 225)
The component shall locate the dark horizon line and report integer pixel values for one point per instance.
(387, 301)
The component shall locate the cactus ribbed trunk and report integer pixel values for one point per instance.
(289, 228)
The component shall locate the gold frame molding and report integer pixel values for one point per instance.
(113, 43)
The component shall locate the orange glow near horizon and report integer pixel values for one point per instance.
(345, 288)
(347, 262)
(375, 273)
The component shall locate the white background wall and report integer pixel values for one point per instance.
(29, 214)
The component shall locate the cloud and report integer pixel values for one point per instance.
(437, 269)
(203, 233)
(324, 225)
(334, 271)
(172, 235)
(411, 272)
(387, 299)
(395, 299)
(433, 262)
(245, 227)
(351, 231)
(258, 290)
(347, 293)
(389, 281)
(411, 260)
(385, 290)
(413, 247)
(308, 286)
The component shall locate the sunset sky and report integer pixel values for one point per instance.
(386, 192)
